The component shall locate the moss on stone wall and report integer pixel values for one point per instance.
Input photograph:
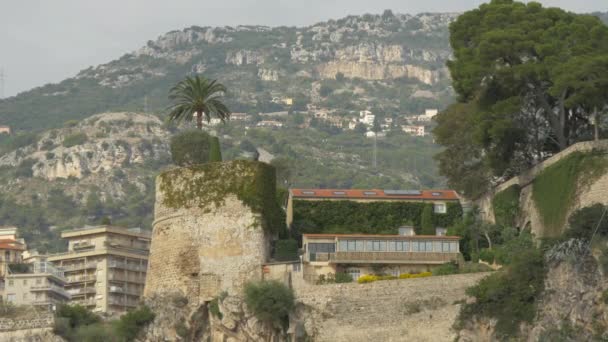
(556, 188)
(206, 186)
(506, 206)
(367, 218)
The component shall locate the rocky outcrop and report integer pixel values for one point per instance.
(374, 71)
(244, 57)
(100, 144)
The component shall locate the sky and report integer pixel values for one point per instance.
(46, 41)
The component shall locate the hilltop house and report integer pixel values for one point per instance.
(417, 131)
(5, 130)
(361, 254)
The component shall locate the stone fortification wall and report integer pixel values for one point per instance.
(211, 229)
(422, 309)
(28, 326)
(597, 192)
(35, 321)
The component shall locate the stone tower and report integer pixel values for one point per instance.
(211, 229)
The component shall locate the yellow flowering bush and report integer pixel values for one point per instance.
(415, 275)
(368, 278)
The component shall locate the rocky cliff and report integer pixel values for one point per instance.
(258, 63)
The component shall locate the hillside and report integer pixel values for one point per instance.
(392, 63)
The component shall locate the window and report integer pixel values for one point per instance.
(10, 283)
(379, 246)
(429, 246)
(343, 245)
(339, 193)
(352, 246)
(360, 244)
(436, 193)
(322, 247)
(10, 297)
(368, 246)
(369, 193)
(454, 247)
(445, 247)
(406, 246)
(440, 208)
(355, 273)
(296, 267)
(437, 246)
(308, 192)
(422, 246)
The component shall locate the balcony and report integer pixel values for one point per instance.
(125, 266)
(122, 301)
(383, 257)
(47, 288)
(78, 246)
(79, 267)
(126, 279)
(81, 291)
(84, 302)
(82, 278)
(118, 289)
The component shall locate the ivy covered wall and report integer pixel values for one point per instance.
(365, 217)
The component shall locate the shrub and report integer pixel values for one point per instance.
(214, 308)
(343, 277)
(510, 295)
(270, 301)
(583, 222)
(446, 269)
(190, 148)
(215, 151)
(24, 169)
(131, 323)
(426, 220)
(74, 139)
(286, 250)
(368, 278)
(69, 321)
(487, 255)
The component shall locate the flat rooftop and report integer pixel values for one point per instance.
(446, 195)
(135, 232)
(381, 236)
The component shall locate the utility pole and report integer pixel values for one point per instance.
(1, 83)
(375, 160)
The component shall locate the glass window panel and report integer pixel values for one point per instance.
(399, 246)
(351, 245)
(391, 246)
(415, 246)
(359, 247)
(406, 246)
(445, 247)
(437, 246)
(383, 246)
(376, 245)
(343, 245)
(429, 246)
(368, 246)
(454, 247)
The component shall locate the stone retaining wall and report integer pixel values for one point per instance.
(422, 309)
(40, 321)
(529, 216)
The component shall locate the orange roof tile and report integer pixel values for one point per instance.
(447, 195)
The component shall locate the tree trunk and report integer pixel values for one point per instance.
(596, 122)
(199, 120)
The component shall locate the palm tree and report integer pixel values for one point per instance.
(195, 97)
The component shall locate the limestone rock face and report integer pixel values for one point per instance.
(244, 57)
(110, 141)
(205, 239)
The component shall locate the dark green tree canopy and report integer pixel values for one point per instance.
(529, 82)
(197, 96)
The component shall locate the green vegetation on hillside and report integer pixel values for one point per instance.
(555, 189)
(506, 206)
(271, 302)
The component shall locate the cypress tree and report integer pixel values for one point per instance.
(426, 220)
(215, 152)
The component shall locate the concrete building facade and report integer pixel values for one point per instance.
(39, 284)
(105, 267)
